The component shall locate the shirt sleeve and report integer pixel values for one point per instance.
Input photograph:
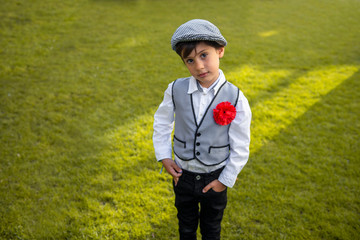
(239, 137)
(163, 126)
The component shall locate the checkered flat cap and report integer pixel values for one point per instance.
(197, 30)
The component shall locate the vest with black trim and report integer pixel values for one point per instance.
(207, 142)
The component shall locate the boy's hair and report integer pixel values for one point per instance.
(183, 49)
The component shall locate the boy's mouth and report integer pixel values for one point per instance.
(202, 75)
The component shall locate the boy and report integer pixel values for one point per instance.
(212, 131)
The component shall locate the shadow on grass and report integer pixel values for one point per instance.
(304, 182)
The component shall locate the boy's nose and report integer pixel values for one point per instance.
(199, 65)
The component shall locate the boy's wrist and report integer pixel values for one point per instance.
(164, 159)
(224, 182)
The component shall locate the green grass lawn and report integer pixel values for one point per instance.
(81, 80)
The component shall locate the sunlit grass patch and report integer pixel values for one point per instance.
(292, 95)
(132, 198)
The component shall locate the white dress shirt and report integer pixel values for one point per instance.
(239, 131)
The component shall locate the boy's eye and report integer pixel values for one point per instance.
(189, 61)
(203, 55)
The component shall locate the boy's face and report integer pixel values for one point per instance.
(203, 63)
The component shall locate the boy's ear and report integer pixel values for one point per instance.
(221, 52)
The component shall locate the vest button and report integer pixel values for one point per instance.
(198, 134)
(198, 153)
(197, 144)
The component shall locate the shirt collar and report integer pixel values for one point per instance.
(193, 86)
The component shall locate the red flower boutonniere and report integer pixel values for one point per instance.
(224, 113)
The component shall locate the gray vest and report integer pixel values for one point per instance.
(207, 142)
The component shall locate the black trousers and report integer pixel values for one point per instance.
(188, 197)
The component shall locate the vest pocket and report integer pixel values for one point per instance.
(215, 150)
(179, 143)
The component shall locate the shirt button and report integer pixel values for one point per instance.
(198, 153)
(198, 134)
(198, 144)
(198, 177)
